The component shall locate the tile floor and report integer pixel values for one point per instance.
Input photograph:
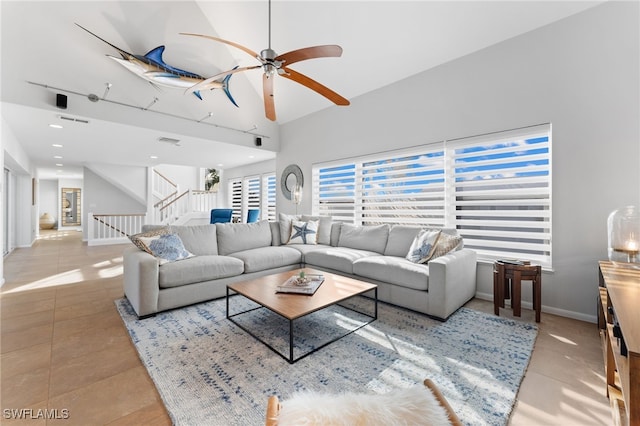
(64, 348)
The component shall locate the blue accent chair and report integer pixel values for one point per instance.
(221, 215)
(253, 215)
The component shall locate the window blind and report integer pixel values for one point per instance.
(502, 194)
(268, 210)
(495, 189)
(235, 197)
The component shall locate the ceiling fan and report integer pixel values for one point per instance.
(273, 64)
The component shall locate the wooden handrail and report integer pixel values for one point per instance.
(174, 200)
(165, 199)
(165, 178)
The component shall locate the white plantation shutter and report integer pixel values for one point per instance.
(251, 195)
(268, 210)
(495, 189)
(253, 192)
(333, 191)
(502, 187)
(403, 187)
(235, 197)
(406, 189)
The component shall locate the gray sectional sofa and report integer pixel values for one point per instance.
(226, 253)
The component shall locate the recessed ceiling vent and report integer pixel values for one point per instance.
(172, 141)
(77, 120)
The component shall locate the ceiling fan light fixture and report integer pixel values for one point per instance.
(269, 70)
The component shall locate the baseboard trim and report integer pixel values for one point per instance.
(549, 309)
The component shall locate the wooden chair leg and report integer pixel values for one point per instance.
(455, 421)
(537, 295)
(497, 285)
(273, 409)
(516, 293)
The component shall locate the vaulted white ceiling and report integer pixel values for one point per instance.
(45, 53)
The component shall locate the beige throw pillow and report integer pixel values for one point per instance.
(446, 244)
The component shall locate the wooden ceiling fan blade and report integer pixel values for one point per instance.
(315, 86)
(269, 104)
(203, 84)
(230, 43)
(325, 51)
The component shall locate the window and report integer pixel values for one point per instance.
(502, 187)
(268, 211)
(235, 195)
(253, 192)
(494, 189)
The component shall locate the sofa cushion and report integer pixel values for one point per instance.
(336, 258)
(306, 248)
(303, 232)
(394, 270)
(324, 227)
(275, 233)
(373, 238)
(285, 226)
(336, 227)
(400, 239)
(423, 246)
(198, 269)
(200, 240)
(234, 237)
(264, 258)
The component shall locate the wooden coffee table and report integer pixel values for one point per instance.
(334, 289)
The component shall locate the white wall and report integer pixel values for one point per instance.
(185, 177)
(103, 197)
(131, 180)
(23, 221)
(580, 74)
(48, 198)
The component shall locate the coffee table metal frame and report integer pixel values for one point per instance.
(290, 359)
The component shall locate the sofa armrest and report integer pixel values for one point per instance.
(141, 280)
(452, 282)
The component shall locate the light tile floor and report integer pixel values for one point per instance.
(63, 347)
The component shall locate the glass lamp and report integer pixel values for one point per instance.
(297, 196)
(624, 236)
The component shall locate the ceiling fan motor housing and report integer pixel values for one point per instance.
(268, 59)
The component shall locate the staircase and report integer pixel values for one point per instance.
(170, 207)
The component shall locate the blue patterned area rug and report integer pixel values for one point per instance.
(209, 371)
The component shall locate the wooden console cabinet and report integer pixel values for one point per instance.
(619, 315)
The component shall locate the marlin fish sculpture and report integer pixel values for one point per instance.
(152, 68)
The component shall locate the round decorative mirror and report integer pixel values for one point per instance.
(291, 176)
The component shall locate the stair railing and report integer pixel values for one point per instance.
(113, 228)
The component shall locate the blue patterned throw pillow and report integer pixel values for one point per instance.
(303, 232)
(423, 246)
(166, 247)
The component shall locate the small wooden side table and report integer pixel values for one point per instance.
(507, 279)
